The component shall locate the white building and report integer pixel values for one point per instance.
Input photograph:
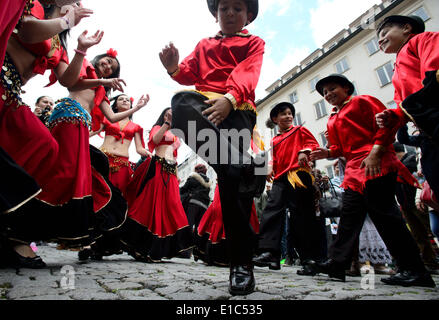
(353, 52)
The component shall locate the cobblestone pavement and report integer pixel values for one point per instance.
(122, 278)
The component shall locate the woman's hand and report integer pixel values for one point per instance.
(85, 42)
(168, 118)
(219, 111)
(74, 13)
(113, 83)
(143, 101)
(169, 58)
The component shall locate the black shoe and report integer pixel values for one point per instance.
(267, 259)
(84, 254)
(241, 280)
(408, 279)
(26, 262)
(308, 269)
(332, 269)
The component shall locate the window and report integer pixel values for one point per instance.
(391, 105)
(320, 108)
(372, 46)
(323, 140)
(385, 73)
(297, 121)
(342, 65)
(422, 13)
(312, 83)
(293, 97)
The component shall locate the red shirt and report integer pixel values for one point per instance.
(127, 132)
(419, 55)
(168, 139)
(225, 65)
(352, 132)
(285, 155)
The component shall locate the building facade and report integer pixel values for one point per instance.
(353, 52)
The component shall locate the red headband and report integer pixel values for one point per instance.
(112, 53)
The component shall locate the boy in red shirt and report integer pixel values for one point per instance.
(415, 81)
(225, 70)
(369, 182)
(292, 188)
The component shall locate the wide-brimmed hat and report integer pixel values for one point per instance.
(276, 109)
(337, 78)
(416, 22)
(253, 7)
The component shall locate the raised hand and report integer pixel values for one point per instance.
(85, 42)
(170, 58)
(74, 13)
(113, 83)
(142, 102)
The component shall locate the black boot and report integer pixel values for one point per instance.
(332, 268)
(267, 259)
(241, 280)
(308, 268)
(410, 278)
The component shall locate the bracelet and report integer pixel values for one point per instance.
(67, 23)
(81, 52)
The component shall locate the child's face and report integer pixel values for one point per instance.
(335, 94)
(284, 119)
(106, 66)
(392, 37)
(232, 15)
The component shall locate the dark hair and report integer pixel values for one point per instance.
(48, 11)
(39, 99)
(161, 120)
(386, 23)
(115, 74)
(114, 105)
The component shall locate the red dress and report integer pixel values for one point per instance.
(210, 236)
(9, 16)
(121, 169)
(353, 132)
(157, 226)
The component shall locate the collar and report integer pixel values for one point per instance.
(242, 33)
(403, 45)
(289, 129)
(335, 110)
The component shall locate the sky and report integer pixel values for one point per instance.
(139, 29)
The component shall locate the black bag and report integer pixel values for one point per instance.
(332, 206)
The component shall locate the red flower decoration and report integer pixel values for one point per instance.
(111, 53)
(131, 99)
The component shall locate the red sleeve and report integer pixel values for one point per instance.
(189, 71)
(426, 47)
(371, 106)
(245, 76)
(151, 144)
(309, 141)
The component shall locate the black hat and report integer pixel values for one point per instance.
(337, 78)
(251, 4)
(416, 22)
(276, 109)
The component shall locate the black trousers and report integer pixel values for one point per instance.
(217, 146)
(379, 202)
(303, 220)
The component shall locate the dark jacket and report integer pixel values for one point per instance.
(196, 187)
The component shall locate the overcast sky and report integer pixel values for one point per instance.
(139, 29)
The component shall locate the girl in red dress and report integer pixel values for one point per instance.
(157, 226)
(118, 138)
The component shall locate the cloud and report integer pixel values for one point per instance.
(332, 16)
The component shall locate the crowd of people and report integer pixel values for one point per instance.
(57, 187)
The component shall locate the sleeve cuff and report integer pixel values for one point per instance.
(175, 73)
(232, 100)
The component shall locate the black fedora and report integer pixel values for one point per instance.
(253, 7)
(276, 109)
(337, 78)
(416, 22)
